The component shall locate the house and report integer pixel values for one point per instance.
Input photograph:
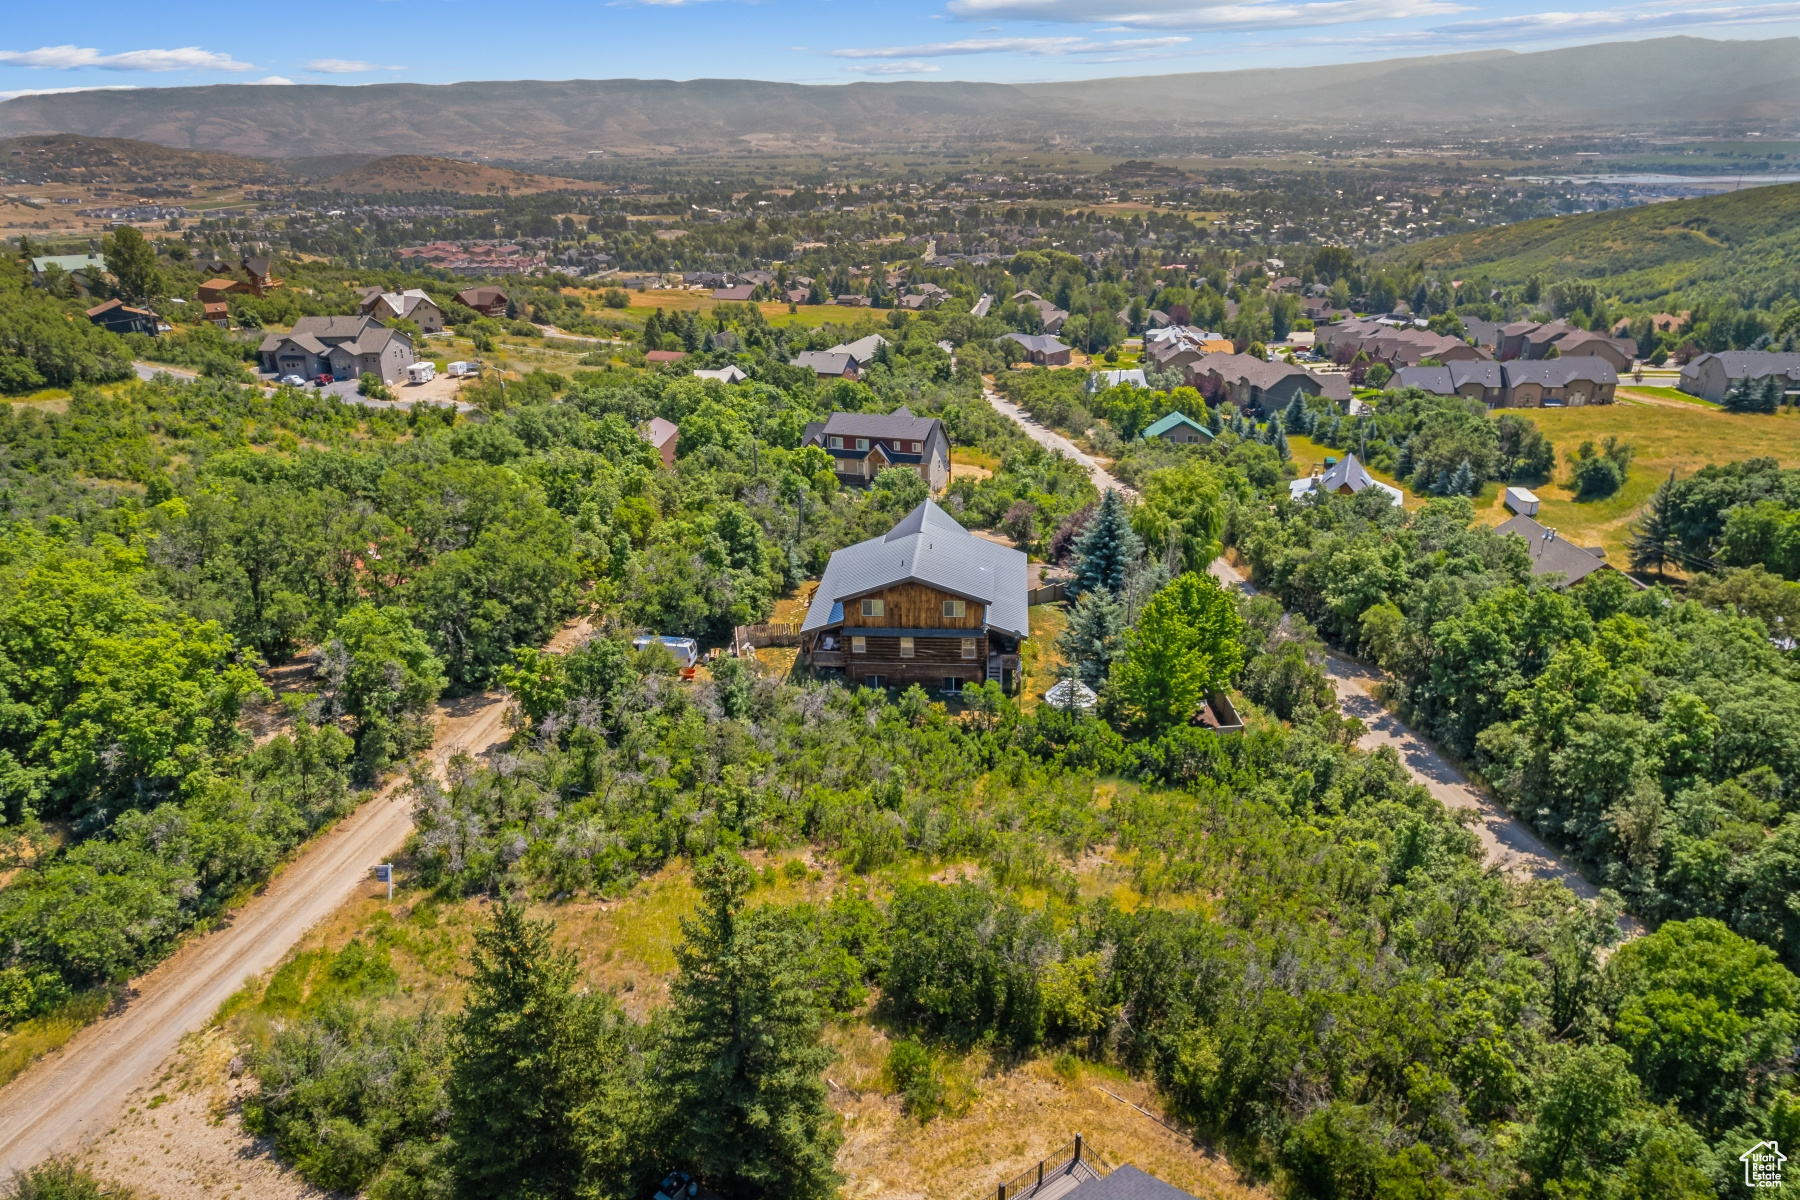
(730, 374)
(851, 300)
(1101, 380)
(1485, 334)
(1053, 317)
(1346, 477)
(1041, 348)
(862, 445)
(411, 305)
(1557, 382)
(1620, 352)
(488, 301)
(740, 293)
(85, 270)
(656, 358)
(116, 316)
(214, 290)
(663, 435)
(826, 365)
(1471, 380)
(216, 312)
(259, 270)
(1550, 555)
(1251, 383)
(1178, 428)
(927, 602)
(1710, 376)
(862, 350)
(342, 347)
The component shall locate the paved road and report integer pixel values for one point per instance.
(1051, 440)
(1509, 842)
(73, 1095)
(343, 389)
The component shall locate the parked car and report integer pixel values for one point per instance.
(678, 1186)
(323, 380)
(292, 381)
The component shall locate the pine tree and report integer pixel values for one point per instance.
(743, 1063)
(1741, 397)
(1293, 417)
(1106, 549)
(1462, 482)
(1215, 425)
(1404, 467)
(653, 330)
(1091, 639)
(1773, 392)
(524, 1061)
(1652, 539)
(1279, 441)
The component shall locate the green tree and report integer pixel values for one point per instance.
(1107, 549)
(1092, 638)
(379, 670)
(1651, 543)
(1185, 644)
(742, 1063)
(131, 260)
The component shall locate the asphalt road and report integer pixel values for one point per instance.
(71, 1096)
(1051, 440)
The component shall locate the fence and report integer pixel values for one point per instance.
(759, 636)
(1068, 1159)
(1048, 593)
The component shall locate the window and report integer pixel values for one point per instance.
(874, 608)
(953, 608)
(875, 681)
(859, 645)
(862, 443)
(953, 683)
(836, 443)
(906, 647)
(917, 448)
(968, 647)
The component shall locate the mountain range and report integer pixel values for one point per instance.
(1663, 82)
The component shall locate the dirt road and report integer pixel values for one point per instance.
(1051, 440)
(71, 1096)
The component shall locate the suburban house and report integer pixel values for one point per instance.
(862, 445)
(1053, 317)
(214, 290)
(862, 350)
(1346, 477)
(1251, 383)
(411, 305)
(118, 317)
(740, 293)
(85, 269)
(1041, 349)
(341, 347)
(827, 365)
(1620, 352)
(927, 602)
(1710, 376)
(727, 374)
(1550, 555)
(1178, 427)
(259, 272)
(663, 435)
(488, 301)
(216, 312)
(1556, 382)
(1099, 381)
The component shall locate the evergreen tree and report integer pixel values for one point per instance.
(524, 1060)
(1773, 393)
(653, 329)
(1215, 424)
(1652, 540)
(1462, 482)
(1278, 439)
(1293, 417)
(131, 260)
(1404, 467)
(1106, 549)
(1091, 639)
(742, 1061)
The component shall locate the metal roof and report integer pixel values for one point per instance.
(928, 546)
(1171, 421)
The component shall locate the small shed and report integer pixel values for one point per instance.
(1521, 501)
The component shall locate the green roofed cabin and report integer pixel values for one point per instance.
(1178, 427)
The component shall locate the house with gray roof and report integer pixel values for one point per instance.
(411, 305)
(862, 350)
(827, 365)
(1041, 348)
(342, 347)
(1710, 376)
(1557, 382)
(1551, 555)
(862, 445)
(1346, 477)
(927, 602)
(1473, 380)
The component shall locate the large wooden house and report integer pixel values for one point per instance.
(926, 603)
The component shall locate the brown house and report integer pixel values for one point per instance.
(488, 301)
(926, 603)
(663, 435)
(214, 291)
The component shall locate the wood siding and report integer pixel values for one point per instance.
(913, 606)
(884, 652)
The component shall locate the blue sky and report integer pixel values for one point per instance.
(107, 43)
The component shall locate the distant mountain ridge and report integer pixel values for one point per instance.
(1620, 84)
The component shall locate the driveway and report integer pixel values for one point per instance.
(1051, 440)
(1509, 842)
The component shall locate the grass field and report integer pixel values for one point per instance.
(1633, 390)
(1667, 439)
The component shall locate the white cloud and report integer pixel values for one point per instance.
(895, 68)
(277, 80)
(1652, 18)
(1308, 13)
(1010, 45)
(346, 66)
(73, 58)
(105, 87)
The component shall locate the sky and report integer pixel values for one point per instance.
(107, 43)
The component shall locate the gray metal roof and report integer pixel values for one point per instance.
(928, 546)
(1037, 343)
(1549, 553)
(1128, 1183)
(1558, 372)
(862, 349)
(823, 362)
(1452, 375)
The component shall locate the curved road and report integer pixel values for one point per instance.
(1051, 440)
(72, 1095)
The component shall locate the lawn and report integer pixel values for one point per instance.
(1666, 438)
(1663, 393)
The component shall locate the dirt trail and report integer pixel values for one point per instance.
(1051, 440)
(69, 1097)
